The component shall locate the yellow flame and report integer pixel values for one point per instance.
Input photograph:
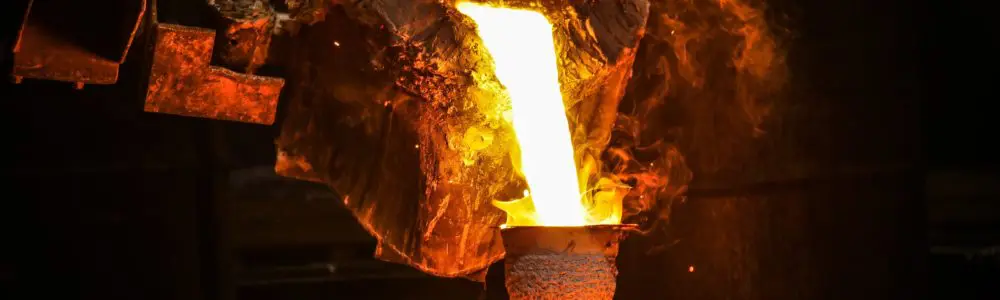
(524, 57)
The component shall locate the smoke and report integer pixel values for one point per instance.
(705, 77)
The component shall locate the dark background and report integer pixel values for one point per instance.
(104, 201)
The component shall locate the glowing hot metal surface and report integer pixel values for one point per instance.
(524, 56)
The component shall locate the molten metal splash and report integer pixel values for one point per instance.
(524, 61)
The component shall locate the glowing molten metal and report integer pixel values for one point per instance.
(524, 56)
(556, 246)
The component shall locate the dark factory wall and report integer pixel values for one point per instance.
(838, 212)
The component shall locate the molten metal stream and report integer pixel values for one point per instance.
(552, 253)
(524, 57)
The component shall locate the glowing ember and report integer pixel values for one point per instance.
(524, 56)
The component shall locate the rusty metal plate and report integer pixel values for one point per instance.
(182, 81)
(53, 44)
(41, 55)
